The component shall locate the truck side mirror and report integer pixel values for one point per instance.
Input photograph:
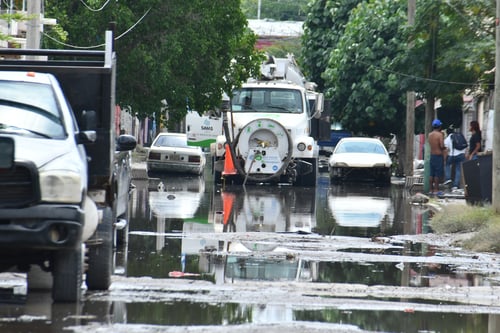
(88, 120)
(85, 137)
(320, 100)
(125, 142)
(317, 100)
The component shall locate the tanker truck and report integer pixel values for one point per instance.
(267, 129)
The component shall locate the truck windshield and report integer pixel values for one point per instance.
(267, 100)
(29, 108)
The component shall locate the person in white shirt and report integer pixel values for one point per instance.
(454, 159)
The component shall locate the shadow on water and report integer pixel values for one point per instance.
(167, 210)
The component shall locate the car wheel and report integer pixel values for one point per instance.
(336, 175)
(100, 256)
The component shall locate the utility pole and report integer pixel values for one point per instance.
(410, 105)
(496, 122)
(34, 25)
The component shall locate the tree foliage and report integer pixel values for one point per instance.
(366, 98)
(452, 47)
(183, 52)
(323, 28)
(359, 51)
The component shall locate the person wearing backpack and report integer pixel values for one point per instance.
(456, 144)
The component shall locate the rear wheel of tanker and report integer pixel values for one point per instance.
(100, 256)
(67, 270)
(311, 178)
(216, 174)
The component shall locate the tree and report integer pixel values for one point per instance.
(453, 49)
(366, 96)
(323, 28)
(184, 52)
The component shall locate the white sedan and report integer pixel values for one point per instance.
(360, 158)
(170, 152)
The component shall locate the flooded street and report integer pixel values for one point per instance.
(335, 258)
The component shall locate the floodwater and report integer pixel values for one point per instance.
(204, 256)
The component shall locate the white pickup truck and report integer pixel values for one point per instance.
(64, 173)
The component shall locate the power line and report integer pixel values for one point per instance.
(100, 45)
(419, 78)
(92, 9)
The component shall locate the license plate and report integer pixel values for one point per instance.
(174, 157)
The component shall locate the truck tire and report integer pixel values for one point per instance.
(100, 256)
(216, 174)
(309, 179)
(67, 270)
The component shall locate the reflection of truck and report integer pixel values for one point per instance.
(269, 128)
(64, 173)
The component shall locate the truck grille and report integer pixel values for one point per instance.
(18, 187)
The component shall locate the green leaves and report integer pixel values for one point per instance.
(360, 52)
(176, 50)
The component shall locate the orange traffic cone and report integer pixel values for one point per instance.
(229, 168)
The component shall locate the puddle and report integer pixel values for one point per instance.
(162, 242)
(284, 254)
(408, 317)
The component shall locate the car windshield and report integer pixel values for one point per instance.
(267, 100)
(29, 109)
(171, 141)
(360, 147)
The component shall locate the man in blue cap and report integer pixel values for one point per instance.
(437, 148)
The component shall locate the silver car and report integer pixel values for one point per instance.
(170, 152)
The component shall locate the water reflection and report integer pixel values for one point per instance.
(167, 214)
(266, 209)
(365, 210)
(166, 243)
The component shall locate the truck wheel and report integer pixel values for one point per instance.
(309, 179)
(217, 174)
(100, 256)
(67, 274)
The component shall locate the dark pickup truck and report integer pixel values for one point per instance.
(64, 172)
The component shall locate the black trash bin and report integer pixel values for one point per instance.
(477, 178)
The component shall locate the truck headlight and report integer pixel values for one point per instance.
(60, 186)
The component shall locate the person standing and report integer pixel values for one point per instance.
(437, 149)
(474, 141)
(454, 160)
